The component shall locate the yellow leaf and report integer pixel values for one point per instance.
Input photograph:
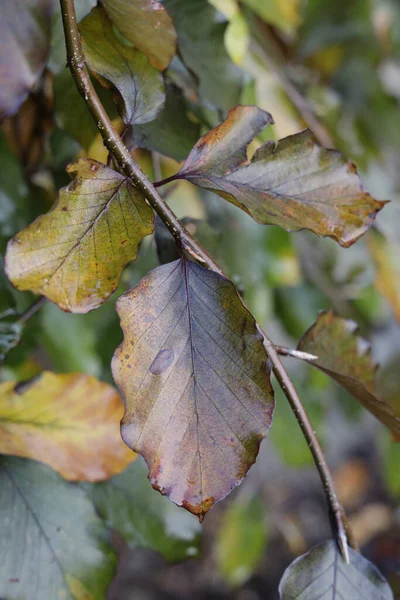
(68, 421)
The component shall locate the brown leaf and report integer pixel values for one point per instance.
(294, 183)
(69, 422)
(345, 357)
(195, 375)
(75, 253)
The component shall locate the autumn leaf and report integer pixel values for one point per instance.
(294, 183)
(140, 85)
(75, 253)
(25, 42)
(345, 357)
(147, 25)
(70, 422)
(52, 543)
(322, 574)
(386, 256)
(195, 376)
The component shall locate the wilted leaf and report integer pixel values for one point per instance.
(172, 133)
(144, 519)
(140, 85)
(75, 253)
(24, 45)
(386, 255)
(147, 25)
(345, 357)
(70, 422)
(295, 183)
(195, 375)
(201, 31)
(52, 543)
(241, 539)
(322, 574)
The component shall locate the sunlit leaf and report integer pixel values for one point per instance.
(25, 42)
(75, 253)
(345, 357)
(52, 543)
(295, 183)
(143, 518)
(201, 31)
(147, 25)
(285, 15)
(195, 375)
(70, 422)
(322, 574)
(386, 255)
(241, 539)
(172, 133)
(140, 85)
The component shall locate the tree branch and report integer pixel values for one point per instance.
(183, 238)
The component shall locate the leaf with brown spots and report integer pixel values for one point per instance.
(345, 356)
(293, 183)
(196, 379)
(75, 253)
(70, 422)
(147, 25)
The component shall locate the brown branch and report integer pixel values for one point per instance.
(183, 238)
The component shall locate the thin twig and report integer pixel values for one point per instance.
(33, 309)
(183, 238)
(283, 351)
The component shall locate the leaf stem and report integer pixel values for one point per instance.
(183, 238)
(283, 351)
(33, 309)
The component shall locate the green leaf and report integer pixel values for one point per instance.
(285, 15)
(241, 539)
(52, 543)
(140, 85)
(147, 25)
(172, 133)
(71, 111)
(201, 31)
(295, 183)
(75, 253)
(346, 357)
(144, 519)
(25, 42)
(322, 574)
(195, 375)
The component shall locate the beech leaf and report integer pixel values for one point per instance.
(386, 256)
(345, 356)
(52, 543)
(25, 43)
(322, 574)
(75, 253)
(195, 375)
(294, 183)
(147, 25)
(140, 85)
(70, 422)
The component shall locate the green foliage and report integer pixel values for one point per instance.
(150, 84)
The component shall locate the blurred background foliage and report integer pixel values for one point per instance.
(330, 66)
